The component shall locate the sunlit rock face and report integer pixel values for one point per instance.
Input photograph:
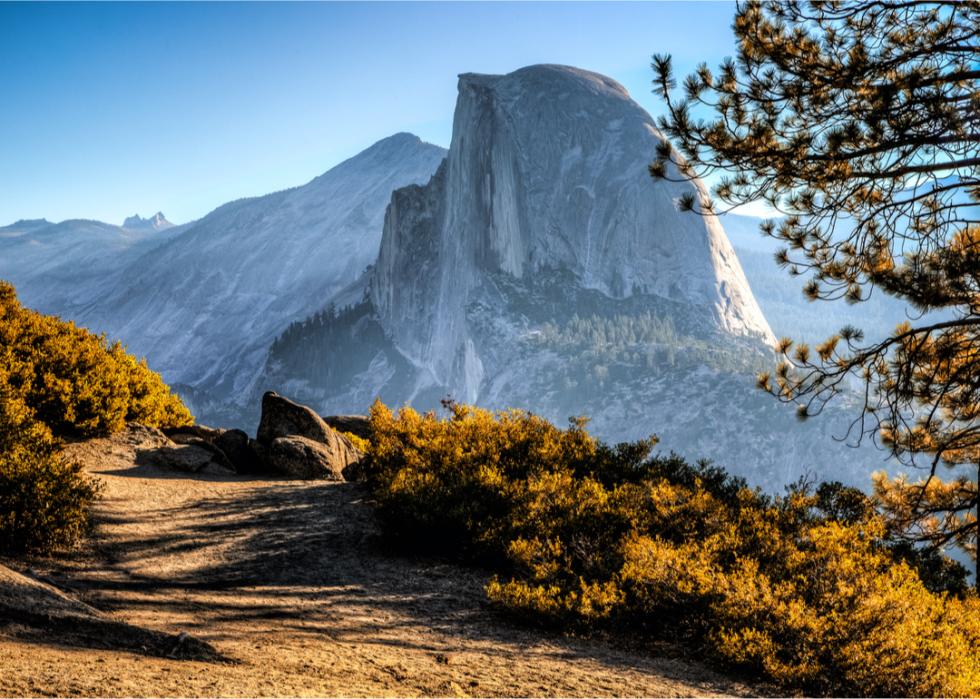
(547, 169)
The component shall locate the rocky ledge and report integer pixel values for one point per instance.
(291, 441)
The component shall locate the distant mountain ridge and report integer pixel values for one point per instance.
(787, 309)
(203, 301)
(157, 222)
(60, 267)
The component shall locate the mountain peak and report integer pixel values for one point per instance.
(157, 222)
(396, 142)
(401, 137)
(388, 152)
(27, 224)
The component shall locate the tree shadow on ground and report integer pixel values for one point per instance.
(307, 557)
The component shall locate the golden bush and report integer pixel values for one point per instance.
(44, 500)
(59, 381)
(802, 589)
(76, 383)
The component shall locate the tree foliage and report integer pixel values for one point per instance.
(803, 589)
(860, 121)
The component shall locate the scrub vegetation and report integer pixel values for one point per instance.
(805, 589)
(58, 382)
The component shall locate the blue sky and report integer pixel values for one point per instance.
(116, 108)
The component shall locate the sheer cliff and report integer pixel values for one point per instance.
(546, 170)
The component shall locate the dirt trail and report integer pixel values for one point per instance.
(288, 580)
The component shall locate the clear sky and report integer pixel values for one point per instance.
(112, 109)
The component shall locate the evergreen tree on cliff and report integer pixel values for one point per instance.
(861, 122)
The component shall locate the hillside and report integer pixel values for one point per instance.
(60, 267)
(206, 299)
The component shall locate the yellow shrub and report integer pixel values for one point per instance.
(359, 443)
(800, 589)
(73, 381)
(60, 381)
(44, 501)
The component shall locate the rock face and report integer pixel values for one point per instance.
(546, 170)
(300, 457)
(294, 441)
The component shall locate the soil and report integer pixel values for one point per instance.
(290, 585)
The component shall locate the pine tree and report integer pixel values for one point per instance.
(860, 121)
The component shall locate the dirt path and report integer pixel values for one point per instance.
(287, 579)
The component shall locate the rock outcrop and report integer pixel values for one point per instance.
(198, 457)
(282, 417)
(187, 451)
(229, 448)
(292, 440)
(300, 457)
